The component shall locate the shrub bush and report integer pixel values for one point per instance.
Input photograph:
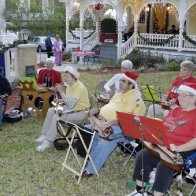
(67, 56)
(173, 65)
(144, 59)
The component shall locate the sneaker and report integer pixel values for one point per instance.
(40, 139)
(135, 193)
(46, 144)
(1, 128)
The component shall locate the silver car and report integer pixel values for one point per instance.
(40, 41)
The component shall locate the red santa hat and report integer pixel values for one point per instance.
(188, 87)
(132, 77)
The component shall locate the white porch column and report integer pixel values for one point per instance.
(97, 30)
(67, 28)
(181, 29)
(119, 11)
(135, 30)
(181, 20)
(120, 29)
(81, 31)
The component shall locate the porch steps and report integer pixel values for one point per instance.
(108, 51)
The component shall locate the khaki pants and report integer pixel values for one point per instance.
(49, 129)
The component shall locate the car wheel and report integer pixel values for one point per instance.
(39, 49)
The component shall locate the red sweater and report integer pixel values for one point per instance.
(54, 75)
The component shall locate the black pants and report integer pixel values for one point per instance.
(49, 52)
(164, 175)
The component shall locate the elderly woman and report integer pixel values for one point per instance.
(75, 101)
(181, 132)
(126, 65)
(49, 77)
(186, 70)
(58, 50)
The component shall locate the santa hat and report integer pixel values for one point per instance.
(188, 87)
(72, 71)
(132, 77)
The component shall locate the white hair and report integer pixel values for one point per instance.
(49, 62)
(127, 64)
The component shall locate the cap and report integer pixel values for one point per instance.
(72, 71)
(188, 87)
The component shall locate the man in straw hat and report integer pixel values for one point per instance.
(75, 102)
(127, 100)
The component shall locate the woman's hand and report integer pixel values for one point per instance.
(174, 148)
(94, 111)
(172, 101)
(60, 88)
(59, 101)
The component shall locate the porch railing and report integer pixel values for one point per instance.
(164, 41)
(158, 41)
(187, 46)
(127, 47)
(91, 42)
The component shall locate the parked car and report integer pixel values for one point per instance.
(40, 41)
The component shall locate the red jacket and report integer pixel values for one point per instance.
(53, 74)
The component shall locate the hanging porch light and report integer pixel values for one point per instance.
(98, 6)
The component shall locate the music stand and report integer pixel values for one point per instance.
(151, 95)
(154, 136)
(144, 129)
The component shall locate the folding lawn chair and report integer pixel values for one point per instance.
(71, 154)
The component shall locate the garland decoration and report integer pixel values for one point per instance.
(162, 42)
(4, 48)
(79, 37)
(186, 37)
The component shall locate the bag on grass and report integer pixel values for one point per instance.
(13, 116)
(60, 144)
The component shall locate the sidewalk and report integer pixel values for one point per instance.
(41, 57)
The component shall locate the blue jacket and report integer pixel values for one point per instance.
(48, 42)
(4, 86)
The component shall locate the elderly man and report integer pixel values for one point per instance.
(186, 70)
(126, 65)
(128, 100)
(75, 102)
(49, 77)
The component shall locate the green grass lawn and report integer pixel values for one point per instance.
(23, 171)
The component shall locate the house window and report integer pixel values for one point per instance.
(36, 5)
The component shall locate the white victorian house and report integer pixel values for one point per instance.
(151, 19)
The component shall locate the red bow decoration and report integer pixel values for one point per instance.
(98, 6)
